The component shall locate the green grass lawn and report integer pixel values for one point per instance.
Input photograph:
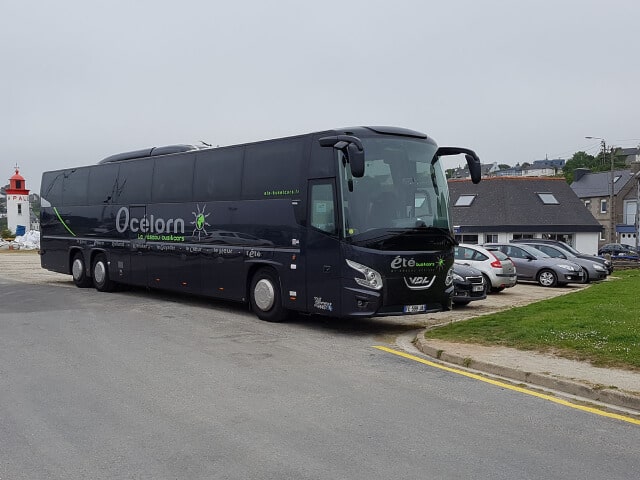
(600, 324)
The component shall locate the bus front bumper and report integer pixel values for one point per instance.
(357, 302)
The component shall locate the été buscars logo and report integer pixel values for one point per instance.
(158, 228)
(410, 265)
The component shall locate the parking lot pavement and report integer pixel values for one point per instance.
(610, 386)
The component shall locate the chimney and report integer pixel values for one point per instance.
(635, 167)
(578, 173)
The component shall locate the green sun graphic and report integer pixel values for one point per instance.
(200, 222)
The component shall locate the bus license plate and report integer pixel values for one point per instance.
(415, 308)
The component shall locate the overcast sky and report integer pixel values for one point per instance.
(514, 80)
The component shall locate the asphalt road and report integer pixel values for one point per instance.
(145, 385)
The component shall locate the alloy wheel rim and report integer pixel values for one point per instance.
(264, 295)
(99, 273)
(77, 269)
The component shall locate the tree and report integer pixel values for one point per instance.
(596, 164)
(578, 160)
(504, 166)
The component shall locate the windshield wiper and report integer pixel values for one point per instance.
(393, 233)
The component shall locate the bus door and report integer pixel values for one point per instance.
(322, 252)
(138, 256)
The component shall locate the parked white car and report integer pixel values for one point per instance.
(498, 270)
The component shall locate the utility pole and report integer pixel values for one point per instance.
(611, 198)
(612, 208)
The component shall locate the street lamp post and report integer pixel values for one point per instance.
(612, 225)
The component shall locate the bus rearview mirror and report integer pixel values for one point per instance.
(356, 160)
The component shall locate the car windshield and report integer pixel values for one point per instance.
(400, 190)
(570, 249)
(554, 251)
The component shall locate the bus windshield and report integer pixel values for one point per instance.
(400, 191)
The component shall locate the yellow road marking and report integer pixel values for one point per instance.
(510, 387)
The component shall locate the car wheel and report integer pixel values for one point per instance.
(79, 271)
(100, 274)
(265, 296)
(547, 278)
(586, 276)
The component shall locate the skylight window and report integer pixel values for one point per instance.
(616, 179)
(464, 200)
(548, 199)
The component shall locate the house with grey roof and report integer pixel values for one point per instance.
(515, 171)
(631, 155)
(617, 218)
(486, 170)
(500, 209)
(544, 168)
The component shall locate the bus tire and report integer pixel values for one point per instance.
(265, 296)
(79, 271)
(100, 274)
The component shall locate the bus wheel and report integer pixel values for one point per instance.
(266, 298)
(79, 272)
(100, 274)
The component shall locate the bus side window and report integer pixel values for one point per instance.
(323, 212)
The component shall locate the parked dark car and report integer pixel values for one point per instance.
(593, 271)
(565, 246)
(534, 265)
(618, 250)
(468, 284)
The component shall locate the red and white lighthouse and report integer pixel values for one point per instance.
(18, 208)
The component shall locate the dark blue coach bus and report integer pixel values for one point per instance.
(346, 222)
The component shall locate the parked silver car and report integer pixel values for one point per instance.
(498, 270)
(565, 246)
(592, 270)
(534, 265)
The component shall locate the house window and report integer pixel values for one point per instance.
(19, 209)
(464, 200)
(603, 206)
(491, 237)
(603, 233)
(587, 203)
(629, 212)
(561, 237)
(548, 199)
(521, 236)
(18, 183)
(472, 239)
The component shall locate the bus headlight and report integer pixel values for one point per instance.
(372, 279)
(449, 278)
